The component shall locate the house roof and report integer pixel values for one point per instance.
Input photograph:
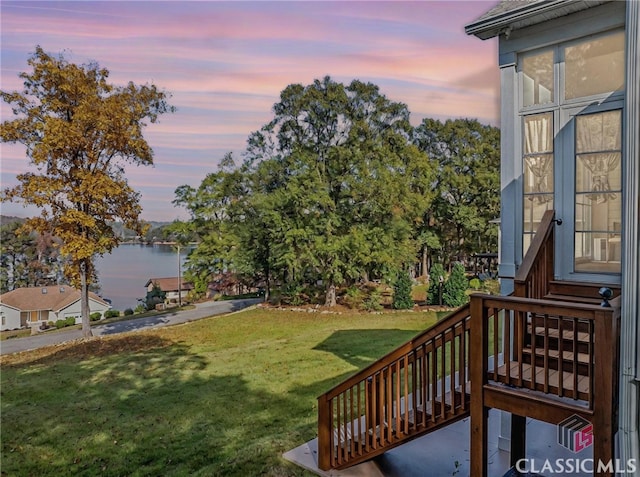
(53, 298)
(169, 284)
(509, 15)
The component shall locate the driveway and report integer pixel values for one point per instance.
(202, 310)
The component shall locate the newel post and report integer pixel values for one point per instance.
(477, 370)
(324, 433)
(603, 384)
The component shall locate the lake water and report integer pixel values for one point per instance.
(124, 272)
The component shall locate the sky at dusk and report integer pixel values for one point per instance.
(225, 64)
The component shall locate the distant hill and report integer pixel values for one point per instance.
(155, 228)
(9, 219)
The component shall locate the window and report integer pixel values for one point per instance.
(598, 192)
(575, 139)
(537, 79)
(538, 171)
(594, 66)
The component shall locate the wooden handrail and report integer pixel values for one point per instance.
(414, 389)
(550, 370)
(424, 336)
(536, 271)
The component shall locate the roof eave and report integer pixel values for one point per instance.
(495, 25)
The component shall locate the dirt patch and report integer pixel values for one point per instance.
(79, 350)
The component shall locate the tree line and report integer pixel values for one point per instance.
(339, 188)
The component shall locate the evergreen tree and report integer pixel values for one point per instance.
(433, 294)
(454, 290)
(402, 299)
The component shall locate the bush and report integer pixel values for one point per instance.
(454, 290)
(111, 314)
(353, 298)
(128, 312)
(95, 316)
(433, 294)
(475, 283)
(61, 323)
(50, 324)
(154, 297)
(402, 299)
(71, 320)
(140, 308)
(372, 302)
(292, 294)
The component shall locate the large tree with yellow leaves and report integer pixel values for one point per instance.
(80, 132)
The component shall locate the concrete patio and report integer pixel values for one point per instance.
(446, 453)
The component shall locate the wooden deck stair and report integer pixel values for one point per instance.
(532, 354)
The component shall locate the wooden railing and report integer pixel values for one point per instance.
(536, 271)
(420, 386)
(563, 341)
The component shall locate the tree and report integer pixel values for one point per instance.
(27, 259)
(454, 290)
(466, 155)
(402, 299)
(211, 207)
(339, 184)
(154, 297)
(80, 132)
(436, 281)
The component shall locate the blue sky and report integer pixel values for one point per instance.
(225, 64)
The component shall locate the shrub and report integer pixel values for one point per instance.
(433, 294)
(95, 316)
(71, 320)
(372, 302)
(61, 323)
(475, 283)
(402, 299)
(292, 294)
(50, 324)
(128, 312)
(140, 308)
(154, 297)
(454, 290)
(111, 313)
(353, 298)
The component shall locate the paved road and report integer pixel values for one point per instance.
(202, 310)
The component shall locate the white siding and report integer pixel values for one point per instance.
(10, 318)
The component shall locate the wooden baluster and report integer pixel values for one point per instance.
(575, 358)
(534, 335)
(452, 370)
(507, 343)
(360, 417)
(397, 400)
(546, 352)
(462, 365)
(352, 423)
(560, 353)
(495, 321)
(443, 375)
(434, 378)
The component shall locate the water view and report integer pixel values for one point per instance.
(125, 271)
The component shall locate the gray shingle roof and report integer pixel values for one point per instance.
(515, 14)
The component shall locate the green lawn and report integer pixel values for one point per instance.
(221, 396)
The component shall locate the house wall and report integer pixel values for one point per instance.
(593, 20)
(10, 318)
(74, 310)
